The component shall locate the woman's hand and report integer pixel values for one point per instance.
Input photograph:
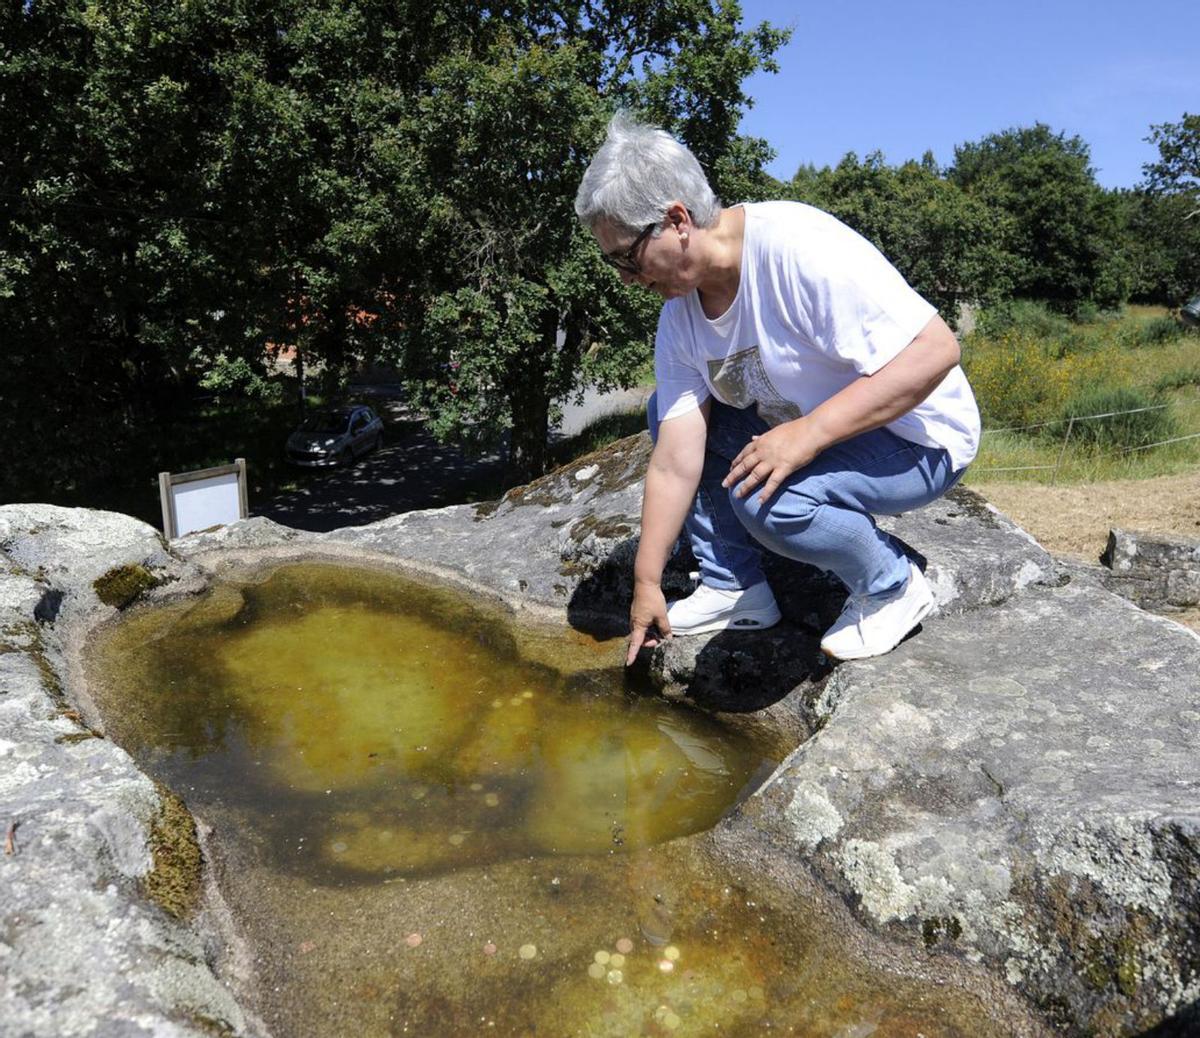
(770, 458)
(649, 608)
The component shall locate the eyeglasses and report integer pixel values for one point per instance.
(627, 260)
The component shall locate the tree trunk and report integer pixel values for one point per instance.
(530, 427)
(530, 402)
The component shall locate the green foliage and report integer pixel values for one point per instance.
(238, 377)
(1146, 421)
(1089, 370)
(1030, 316)
(1162, 242)
(1156, 332)
(184, 183)
(1177, 168)
(509, 306)
(947, 244)
(1178, 379)
(1021, 379)
(1063, 230)
(1164, 216)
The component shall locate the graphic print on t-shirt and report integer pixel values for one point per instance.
(741, 380)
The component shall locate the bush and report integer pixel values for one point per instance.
(1156, 332)
(1178, 379)
(1028, 316)
(1020, 379)
(1136, 429)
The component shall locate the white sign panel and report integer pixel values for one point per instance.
(202, 499)
(205, 503)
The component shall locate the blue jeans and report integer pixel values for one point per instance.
(820, 515)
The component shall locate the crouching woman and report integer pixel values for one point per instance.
(802, 386)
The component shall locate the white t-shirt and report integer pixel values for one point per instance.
(817, 307)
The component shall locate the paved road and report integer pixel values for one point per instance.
(597, 405)
(412, 470)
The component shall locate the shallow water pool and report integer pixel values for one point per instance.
(427, 820)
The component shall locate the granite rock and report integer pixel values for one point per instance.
(1156, 572)
(1020, 786)
(83, 950)
(1016, 785)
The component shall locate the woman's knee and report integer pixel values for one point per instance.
(786, 508)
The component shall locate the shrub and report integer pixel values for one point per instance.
(1020, 379)
(1156, 332)
(1028, 316)
(1178, 379)
(1136, 429)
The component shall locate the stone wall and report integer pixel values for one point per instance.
(1158, 573)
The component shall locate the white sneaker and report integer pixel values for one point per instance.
(871, 626)
(713, 609)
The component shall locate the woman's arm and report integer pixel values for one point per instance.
(671, 481)
(865, 404)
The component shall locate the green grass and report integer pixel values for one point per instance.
(600, 433)
(1034, 366)
(1083, 462)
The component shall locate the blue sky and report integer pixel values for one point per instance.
(911, 75)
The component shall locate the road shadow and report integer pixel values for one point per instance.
(411, 471)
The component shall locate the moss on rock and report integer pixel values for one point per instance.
(939, 927)
(26, 636)
(121, 586)
(73, 737)
(611, 527)
(173, 883)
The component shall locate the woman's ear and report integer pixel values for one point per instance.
(680, 218)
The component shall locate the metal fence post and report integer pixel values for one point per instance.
(1061, 453)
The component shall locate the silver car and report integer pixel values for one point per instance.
(335, 436)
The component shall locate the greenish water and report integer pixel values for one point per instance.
(427, 820)
(408, 724)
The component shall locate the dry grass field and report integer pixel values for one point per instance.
(1074, 520)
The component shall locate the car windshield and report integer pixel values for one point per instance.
(325, 422)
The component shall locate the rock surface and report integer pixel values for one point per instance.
(83, 950)
(1156, 572)
(1033, 801)
(1017, 784)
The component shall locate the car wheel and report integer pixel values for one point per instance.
(345, 456)
(378, 442)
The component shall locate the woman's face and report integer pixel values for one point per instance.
(665, 264)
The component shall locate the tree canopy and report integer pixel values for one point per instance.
(949, 245)
(183, 183)
(1063, 230)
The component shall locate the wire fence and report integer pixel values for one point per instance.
(1070, 424)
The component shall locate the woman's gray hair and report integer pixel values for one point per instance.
(638, 172)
